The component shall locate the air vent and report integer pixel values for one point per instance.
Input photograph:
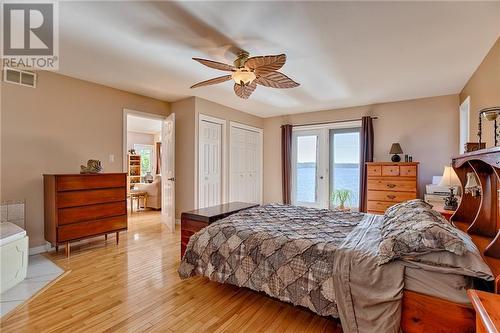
(20, 77)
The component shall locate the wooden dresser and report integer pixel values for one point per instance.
(79, 206)
(198, 219)
(389, 183)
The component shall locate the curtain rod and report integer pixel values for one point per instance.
(331, 122)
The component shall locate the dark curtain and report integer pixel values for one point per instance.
(158, 158)
(366, 150)
(286, 162)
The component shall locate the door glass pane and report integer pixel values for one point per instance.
(306, 168)
(344, 166)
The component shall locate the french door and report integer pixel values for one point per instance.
(344, 148)
(325, 160)
(310, 169)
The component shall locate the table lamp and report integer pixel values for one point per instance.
(472, 186)
(450, 179)
(396, 149)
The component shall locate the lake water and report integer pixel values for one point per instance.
(345, 176)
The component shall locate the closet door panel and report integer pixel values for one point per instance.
(210, 190)
(245, 165)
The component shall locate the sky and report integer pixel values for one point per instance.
(345, 146)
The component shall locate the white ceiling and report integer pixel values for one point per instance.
(143, 125)
(342, 53)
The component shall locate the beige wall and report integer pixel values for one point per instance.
(65, 121)
(184, 154)
(136, 138)
(56, 127)
(427, 128)
(186, 164)
(484, 91)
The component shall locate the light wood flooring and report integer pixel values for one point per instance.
(134, 287)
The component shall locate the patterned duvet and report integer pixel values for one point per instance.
(320, 259)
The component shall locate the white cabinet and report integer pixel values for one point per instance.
(245, 179)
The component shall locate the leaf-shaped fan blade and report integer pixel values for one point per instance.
(265, 64)
(244, 91)
(213, 81)
(215, 64)
(276, 80)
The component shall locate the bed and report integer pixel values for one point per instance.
(330, 262)
(324, 260)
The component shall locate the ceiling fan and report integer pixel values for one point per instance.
(248, 72)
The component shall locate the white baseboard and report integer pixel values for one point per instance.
(40, 249)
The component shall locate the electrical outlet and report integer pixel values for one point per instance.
(111, 158)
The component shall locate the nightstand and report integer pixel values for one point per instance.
(487, 306)
(446, 213)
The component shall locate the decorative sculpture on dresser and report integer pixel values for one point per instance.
(93, 166)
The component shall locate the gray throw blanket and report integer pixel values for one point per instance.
(320, 259)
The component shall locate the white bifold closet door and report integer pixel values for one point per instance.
(210, 155)
(245, 165)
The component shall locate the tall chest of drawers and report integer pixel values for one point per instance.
(390, 183)
(79, 206)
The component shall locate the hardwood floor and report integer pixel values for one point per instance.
(134, 287)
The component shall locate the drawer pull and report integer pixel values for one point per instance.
(391, 185)
(391, 196)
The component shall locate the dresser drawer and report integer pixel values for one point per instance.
(408, 171)
(390, 170)
(90, 197)
(373, 170)
(379, 206)
(91, 212)
(90, 228)
(391, 196)
(88, 182)
(392, 185)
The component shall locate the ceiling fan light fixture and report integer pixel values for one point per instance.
(243, 75)
(247, 73)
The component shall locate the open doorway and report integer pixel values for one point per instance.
(148, 142)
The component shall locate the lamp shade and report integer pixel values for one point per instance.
(450, 178)
(396, 149)
(472, 182)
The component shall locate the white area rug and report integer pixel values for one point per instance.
(41, 271)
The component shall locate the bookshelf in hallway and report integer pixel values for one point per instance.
(134, 169)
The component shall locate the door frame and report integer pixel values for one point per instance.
(323, 131)
(224, 182)
(126, 113)
(260, 131)
(465, 106)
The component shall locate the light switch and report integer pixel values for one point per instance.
(111, 158)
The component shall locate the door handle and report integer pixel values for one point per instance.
(172, 179)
